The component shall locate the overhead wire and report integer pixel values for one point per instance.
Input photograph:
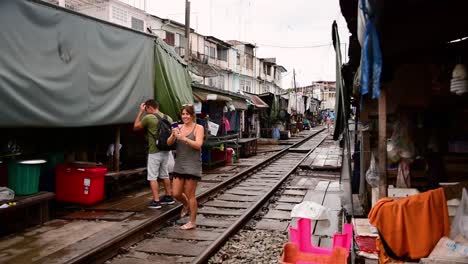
(295, 47)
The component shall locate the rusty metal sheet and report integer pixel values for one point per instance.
(225, 204)
(275, 225)
(231, 197)
(290, 199)
(216, 211)
(194, 234)
(171, 247)
(277, 214)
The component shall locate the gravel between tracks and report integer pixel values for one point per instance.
(252, 246)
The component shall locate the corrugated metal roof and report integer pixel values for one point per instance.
(259, 103)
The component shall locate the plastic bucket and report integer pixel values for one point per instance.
(230, 153)
(23, 176)
(47, 179)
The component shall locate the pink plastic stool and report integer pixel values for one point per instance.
(301, 236)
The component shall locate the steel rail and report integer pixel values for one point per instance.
(247, 216)
(111, 247)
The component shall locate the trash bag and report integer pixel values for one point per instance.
(170, 162)
(310, 210)
(372, 174)
(460, 222)
(6, 194)
(276, 133)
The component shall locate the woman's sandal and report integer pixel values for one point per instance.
(188, 226)
(185, 211)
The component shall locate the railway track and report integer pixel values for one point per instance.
(223, 210)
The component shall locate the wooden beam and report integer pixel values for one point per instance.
(383, 143)
(117, 149)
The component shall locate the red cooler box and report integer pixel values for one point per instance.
(79, 185)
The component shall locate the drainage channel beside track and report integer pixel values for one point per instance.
(224, 209)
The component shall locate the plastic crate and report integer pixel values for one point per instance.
(79, 185)
(218, 155)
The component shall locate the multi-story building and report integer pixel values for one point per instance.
(113, 11)
(172, 32)
(324, 91)
(269, 76)
(227, 65)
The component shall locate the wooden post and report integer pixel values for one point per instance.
(187, 31)
(383, 143)
(364, 189)
(116, 149)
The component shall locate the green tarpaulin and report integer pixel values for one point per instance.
(172, 85)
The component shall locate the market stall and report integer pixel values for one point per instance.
(412, 131)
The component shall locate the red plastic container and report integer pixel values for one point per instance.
(217, 155)
(229, 155)
(79, 185)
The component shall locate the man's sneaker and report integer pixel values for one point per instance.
(155, 205)
(166, 199)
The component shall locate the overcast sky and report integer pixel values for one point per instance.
(270, 24)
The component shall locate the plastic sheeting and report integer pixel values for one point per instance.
(172, 86)
(59, 69)
(342, 97)
(371, 65)
(296, 103)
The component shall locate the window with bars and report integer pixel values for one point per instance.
(246, 85)
(170, 38)
(221, 82)
(119, 14)
(249, 61)
(137, 24)
(210, 51)
(222, 53)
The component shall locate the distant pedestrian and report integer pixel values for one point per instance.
(328, 121)
(157, 159)
(188, 167)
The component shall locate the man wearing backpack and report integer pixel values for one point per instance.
(153, 123)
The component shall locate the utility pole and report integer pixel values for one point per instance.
(187, 30)
(295, 91)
